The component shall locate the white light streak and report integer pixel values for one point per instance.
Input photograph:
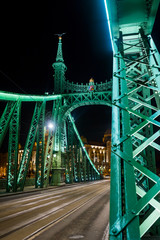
(109, 25)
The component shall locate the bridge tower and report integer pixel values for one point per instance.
(60, 69)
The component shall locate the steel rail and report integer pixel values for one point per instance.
(40, 230)
(54, 222)
(9, 96)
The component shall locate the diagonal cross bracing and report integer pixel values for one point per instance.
(13, 149)
(143, 118)
(29, 146)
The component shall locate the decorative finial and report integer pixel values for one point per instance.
(60, 35)
(59, 57)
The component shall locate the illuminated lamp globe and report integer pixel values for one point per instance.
(51, 125)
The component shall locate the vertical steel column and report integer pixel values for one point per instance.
(84, 167)
(76, 162)
(115, 192)
(70, 133)
(67, 173)
(72, 157)
(51, 144)
(87, 170)
(67, 167)
(92, 173)
(94, 176)
(29, 146)
(58, 169)
(154, 59)
(150, 151)
(137, 102)
(79, 164)
(13, 149)
(81, 161)
(132, 231)
(39, 177)
(5, 119)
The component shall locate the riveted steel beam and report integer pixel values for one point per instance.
(5, 119)
(13, 149)
(24, 163)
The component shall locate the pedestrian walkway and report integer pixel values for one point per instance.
(27, 189)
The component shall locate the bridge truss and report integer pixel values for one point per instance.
(135, 201)
(63, 155)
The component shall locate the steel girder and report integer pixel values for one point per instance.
(56, 144)
(72, 151)
(71, 96)
(39, 177)
(29, 145)
(78, 164)
(9, 96)
(5, 119)
(74, 100)
(13, 149)
(71, 141)
(50, 145)
(83, 147)
(134, 183)
(83, 88)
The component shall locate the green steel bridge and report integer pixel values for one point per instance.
(133, 94)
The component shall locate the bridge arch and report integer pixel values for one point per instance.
(75, 106)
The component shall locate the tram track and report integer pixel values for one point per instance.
(44, 228)
(48, 218)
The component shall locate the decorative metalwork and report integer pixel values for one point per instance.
(29, 146)
(39, 177)
(135, 125)
(5, 119)
(13, 149)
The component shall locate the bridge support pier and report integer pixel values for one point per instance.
(58, 177)
(58, 171)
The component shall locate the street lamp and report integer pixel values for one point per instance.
(51, 125)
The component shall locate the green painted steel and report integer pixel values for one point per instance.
(77, 161)
(115, 191)
(49, 148)
(5, 119)
(82, 145)
(13, 149)
(71, 160)
(39, 177)
(132, 230)
(60, 69)
(134, 183)
(23, 168)
(79, 164)
(8, 96)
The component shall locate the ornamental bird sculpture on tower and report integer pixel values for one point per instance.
(59, 34)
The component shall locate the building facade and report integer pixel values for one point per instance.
(100, 154)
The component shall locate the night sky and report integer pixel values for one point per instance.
(28, 49)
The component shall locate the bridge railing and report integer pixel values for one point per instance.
(71, 87)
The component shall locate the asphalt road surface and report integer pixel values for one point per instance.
(78, 211)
